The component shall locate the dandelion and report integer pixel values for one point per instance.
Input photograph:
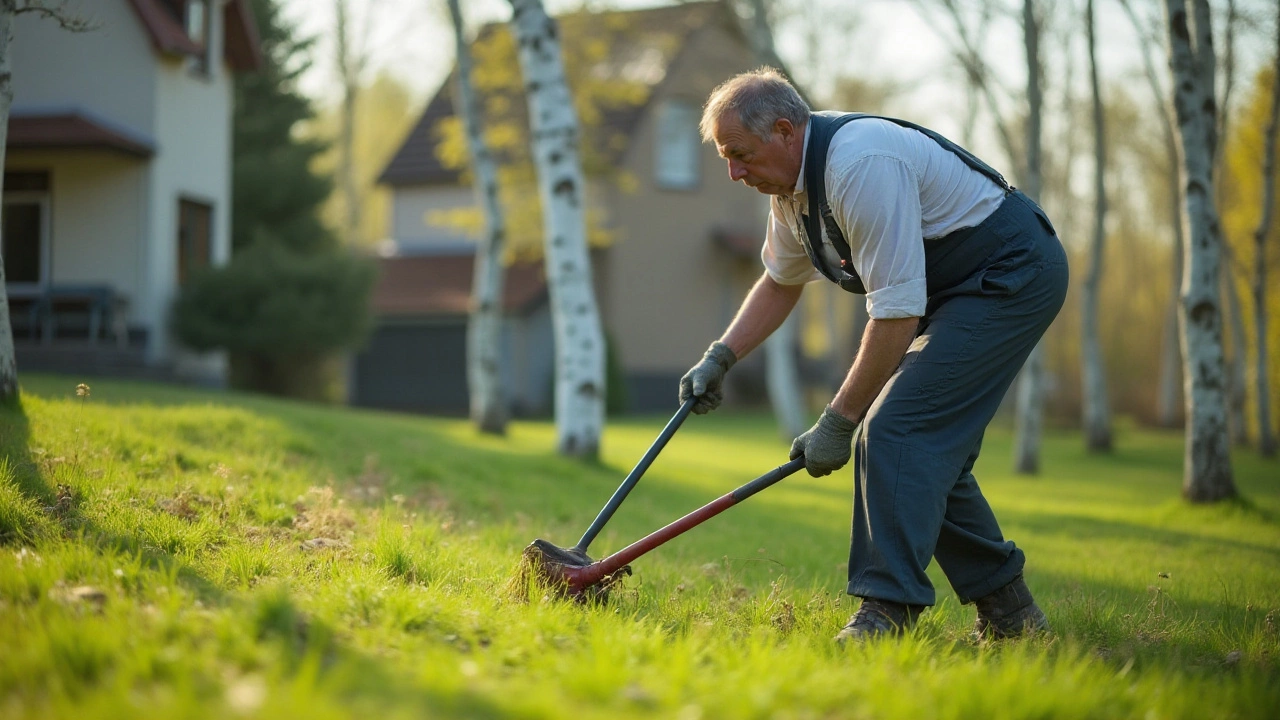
(82, 390)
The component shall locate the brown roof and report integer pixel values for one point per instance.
(73, 130)
(441, 285)
(641, 45)
(162, 21)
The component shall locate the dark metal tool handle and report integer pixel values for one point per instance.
(630, 482)
(611, 564)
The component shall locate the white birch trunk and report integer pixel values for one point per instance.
(1095, 408)
(484, 327)
(1207, 472)
(579, 391)
(1262, 388)
(1170, 378)
(1171, 355)
(350, 63)
(1029, 420)
(8, 361)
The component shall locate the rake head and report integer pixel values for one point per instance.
(569, 572)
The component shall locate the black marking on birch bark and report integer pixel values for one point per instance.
(551, 31)
(1195, 185)
(1203, 312)
(565, 187)
(532, 87)
(1178, 22)
(566, 267)
(589, 389)
(557, 241)
(555, 158)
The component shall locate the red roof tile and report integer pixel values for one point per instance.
(72, 130)
(441, 285)
(161, 21)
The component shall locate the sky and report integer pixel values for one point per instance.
(884, 40)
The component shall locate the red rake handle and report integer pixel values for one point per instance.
(580, 578)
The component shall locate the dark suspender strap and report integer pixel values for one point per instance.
(822, 128)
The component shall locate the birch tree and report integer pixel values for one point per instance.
(9, 9)
(484, 328)
(1170, 373)
(352, 58)
(1237, 427)
(1266, 440)
(8, 359)
(579, 340)
(1029, 420)
(1095, 408)
(1207, 472)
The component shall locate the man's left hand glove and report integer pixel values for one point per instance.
(826, 445)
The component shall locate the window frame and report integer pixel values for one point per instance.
(181, 272)
(661, 178)
(202, 64)
(42, 198)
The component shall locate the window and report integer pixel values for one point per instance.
(197, 20)
(195, 235)
(25, 229)
(676, 146)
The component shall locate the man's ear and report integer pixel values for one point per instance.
(783, 126)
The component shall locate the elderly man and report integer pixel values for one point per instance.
(962, 275)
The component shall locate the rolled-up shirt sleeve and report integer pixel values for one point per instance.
(876, 200)
(783, 254)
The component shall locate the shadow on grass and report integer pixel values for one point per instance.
(61, 503)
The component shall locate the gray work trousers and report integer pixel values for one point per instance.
(915, 496)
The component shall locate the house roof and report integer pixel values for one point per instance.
(441, 285)
(242, 49)
(642, 45)
(73, 129)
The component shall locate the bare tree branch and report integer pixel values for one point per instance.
(59, 14)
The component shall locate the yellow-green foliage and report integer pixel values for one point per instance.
(173, 553)
(610, 66)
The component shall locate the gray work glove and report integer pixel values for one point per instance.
(706, 379)
(826, 445)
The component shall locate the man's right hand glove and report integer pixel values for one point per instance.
(827, 445)
(706, 379)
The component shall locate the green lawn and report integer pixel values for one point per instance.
(175, 553)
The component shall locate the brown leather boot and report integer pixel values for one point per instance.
(1008, 613)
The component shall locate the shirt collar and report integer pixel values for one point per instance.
(803, 154)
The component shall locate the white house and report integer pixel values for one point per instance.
(118, 175)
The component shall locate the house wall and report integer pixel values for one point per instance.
(108, 71)
(97, 215)
(193, 129)
(410, 205)
(671, 290)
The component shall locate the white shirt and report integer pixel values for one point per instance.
(891, 190)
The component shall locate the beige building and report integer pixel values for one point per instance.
(118, 177)
(684, 240)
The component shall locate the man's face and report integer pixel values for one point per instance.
(770, 166)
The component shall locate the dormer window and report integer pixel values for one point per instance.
(197, 22)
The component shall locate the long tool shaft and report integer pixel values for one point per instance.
(591, 574)
(634, 477)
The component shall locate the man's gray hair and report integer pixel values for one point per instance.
(760, 97)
